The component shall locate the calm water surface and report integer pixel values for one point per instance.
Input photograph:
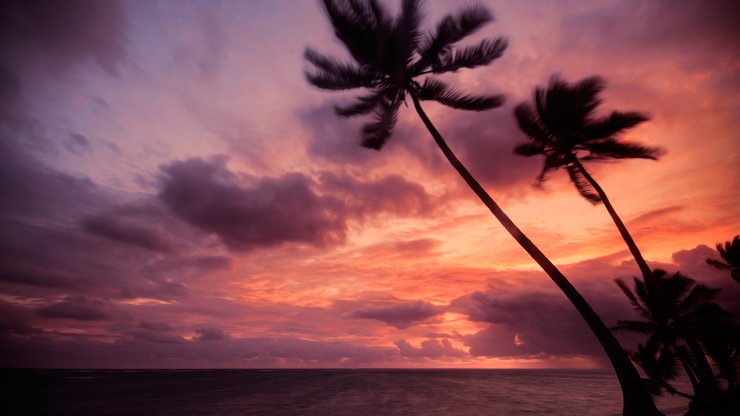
(316, 392)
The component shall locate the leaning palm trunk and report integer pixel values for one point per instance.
(636, 400)
(626, 236)
(707, 388)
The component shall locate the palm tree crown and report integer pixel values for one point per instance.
(681, 319)
(389, 54)
(562, 127)
(730, 253)
(674, 307)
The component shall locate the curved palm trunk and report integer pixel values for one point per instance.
(636, 399)
(641, 263)
(707, 385)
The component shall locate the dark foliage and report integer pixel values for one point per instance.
(389, 55)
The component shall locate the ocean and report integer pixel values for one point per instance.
(316, 392)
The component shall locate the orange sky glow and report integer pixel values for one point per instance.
(175, 194)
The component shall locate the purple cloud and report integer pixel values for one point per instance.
(431, 348)
(64, 33)
(210, 333)
(400, 315)
(390, 194)
(75, 307)
(119, 229)
(271, 212)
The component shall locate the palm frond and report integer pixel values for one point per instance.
(718, 264)
(481, 54)
(698, 296)
(450, 30)
(582, 184)
(639, 307)
(731, 251)
(614, 124)
(436, 90)
(406, 33)
(614, 149)
(530, 124)
(332, 74)
(360, 26)
(376, 133)
(553, 161)
(529, 149)
(362, 105)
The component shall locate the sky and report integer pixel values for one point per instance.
(174, 194)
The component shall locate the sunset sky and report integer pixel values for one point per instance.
(173, 193)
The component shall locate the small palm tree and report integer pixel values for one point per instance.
(391, 55)
(561, 126)
(730, 253)
(677, 313)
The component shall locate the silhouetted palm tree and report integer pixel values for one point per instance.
(731, 255)
(561, 126)
(390, 55)
(661, 365)
(676, 313)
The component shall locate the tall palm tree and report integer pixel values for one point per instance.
(562, 127)
(730, 253)
(390, 56)
(677, 313)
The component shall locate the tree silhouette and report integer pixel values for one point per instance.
(561, 126)
(661, 365)
(730, 253)
(678, 314)
(390, 56)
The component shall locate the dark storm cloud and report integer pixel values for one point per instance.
(400, 315)
(75, 307)
(63, 32)
(271, 212)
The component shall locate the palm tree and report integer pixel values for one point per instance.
(677, 313)
(390, 56)
(731, 255)
(661, 365)
(561, 126)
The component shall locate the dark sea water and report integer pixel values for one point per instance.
(315, 392)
